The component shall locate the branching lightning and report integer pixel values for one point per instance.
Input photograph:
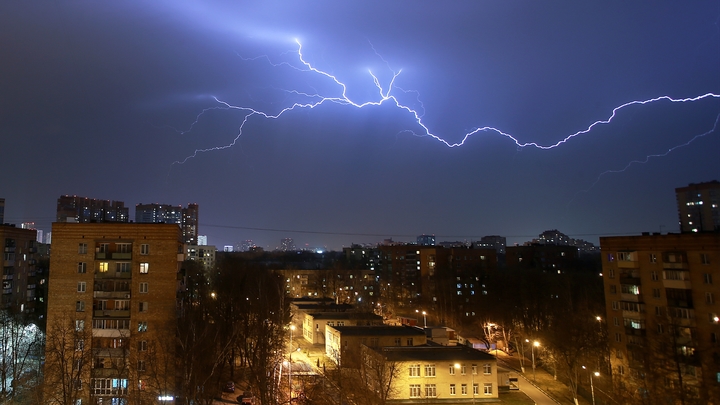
(385, 94)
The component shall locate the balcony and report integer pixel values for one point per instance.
(675, 266)
(682, 284)
(112, 333)
(631, 297)
(112, 274)
(109, 352)
(111, 313)
(111, 373)
(111, 294)
(627, 264)
(101, 255)
(121, 256)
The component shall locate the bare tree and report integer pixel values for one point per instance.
(20, 344)
(378, 376)
(68, 358)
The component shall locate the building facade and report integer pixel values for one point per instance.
(19, 281)
(112, 312)
(186, 218)
(663, 305)
(84, 210)
(432, 375)
(698, 207)
(343, 343)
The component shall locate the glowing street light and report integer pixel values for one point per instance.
(592, 389)
(424, 314)
(532, 349)
(457, 367)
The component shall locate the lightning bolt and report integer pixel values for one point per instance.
(385, 95)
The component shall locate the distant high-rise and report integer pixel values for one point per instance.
(2, 211)
(84, 210)
(186, 218)
(698, 207)
(202, 240)
(499, 243)
(19, 259)
(426, 240)
(287, 245)
(246, 245)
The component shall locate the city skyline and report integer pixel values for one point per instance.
(102, 100)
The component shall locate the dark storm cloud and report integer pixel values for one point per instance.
(99, 99)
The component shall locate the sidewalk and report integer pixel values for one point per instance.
(544, 390)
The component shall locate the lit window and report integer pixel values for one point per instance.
(142, 326)
(144, 268)
(103, 267)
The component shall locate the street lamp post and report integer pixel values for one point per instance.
(532, 349)
(457, 367)
(592, 388)
(424, 314)
(292, 328)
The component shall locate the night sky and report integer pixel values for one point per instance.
(102, 99)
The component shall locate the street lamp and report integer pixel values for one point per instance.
(457, 367)
(424, 314)
(592, 388)
(532, 349)
(292, 328)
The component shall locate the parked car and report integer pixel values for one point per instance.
(246, 398)
(229, 387)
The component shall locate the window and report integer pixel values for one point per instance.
(144, 268)
(463, 369)
(610, 257)
(82, 267)
(487, 388)
(414, 370)
(452, 389)
(122, 267)
(409, 341)
(81, 286)
(625, 256)
(615, 305)
(102, 248)
(476, 389)
(474, 369)
(430, 391)
(429, 370)
(654, 275)
(656, 293)
(452, 369)
(414, 390)
(79, 345)
(463, 389)
(704, 258)
(79, 306)
(398, 342)
(487, 369)
(122, 305)
(142, 345)
(615, 321)
(79, 325)
(613, 289)
(103, 267)
(707, 278)
(82, 248)
(142, 326)
(713, 337)
(618, 337)
(621, 370)
(143, 288)
(124, 247)
(660, 328)
(619, 354)
(653, 258)
(144, 249)
(141, 365)
(709, 298)
(143, 307)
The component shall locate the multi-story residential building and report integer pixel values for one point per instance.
(83, 209)
(499, 243)
(413, 275)
(187, 218)
(2, 211)
(699, 207)
(426, 240)
(432, 374)
(19, 284)
(112, 296)
(313, 326)
(544, 257)
(343, 343)
(663, 306)
(204, 254)
(357, 287)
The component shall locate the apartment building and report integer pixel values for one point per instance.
(432, 374)
(313, 326)
(343, 343)
(662, 294)
(699, 206)
(112, 300)
(19, 284)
